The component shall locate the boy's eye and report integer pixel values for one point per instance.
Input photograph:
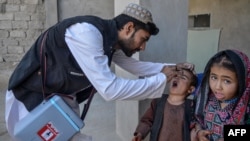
(183, 77)
(180, 76)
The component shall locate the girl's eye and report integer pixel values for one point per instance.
(227, 81)
(212, 77)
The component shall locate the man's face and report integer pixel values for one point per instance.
(134, 41)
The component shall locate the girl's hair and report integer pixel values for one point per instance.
(122, 19)
(224, 61)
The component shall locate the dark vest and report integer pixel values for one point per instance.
(159, 112)
(62, 74)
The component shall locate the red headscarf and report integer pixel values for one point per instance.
(242, 107)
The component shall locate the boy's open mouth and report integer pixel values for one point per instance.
(175, 84)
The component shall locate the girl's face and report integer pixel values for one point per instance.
(223, 83)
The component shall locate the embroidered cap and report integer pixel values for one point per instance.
(138, 12)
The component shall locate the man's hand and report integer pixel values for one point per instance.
(170, 72)
(186, 65)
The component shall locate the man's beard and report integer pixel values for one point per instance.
(125, 46)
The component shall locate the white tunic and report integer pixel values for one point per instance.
(86, 44)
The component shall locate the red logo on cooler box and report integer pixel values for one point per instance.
(48, 132)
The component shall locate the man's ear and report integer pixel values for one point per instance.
(191, 89)
(129, 28)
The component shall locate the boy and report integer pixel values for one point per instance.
(168, 118)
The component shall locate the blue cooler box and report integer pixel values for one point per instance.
(52, 120)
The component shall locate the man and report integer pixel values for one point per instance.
(74, 56)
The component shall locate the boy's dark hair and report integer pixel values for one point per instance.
(122, 19)
(194, 77)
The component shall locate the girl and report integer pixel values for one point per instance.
(223, 96)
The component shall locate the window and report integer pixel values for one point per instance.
(197, 21)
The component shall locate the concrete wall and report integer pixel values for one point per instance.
(21, 21)
(69, 8)
(170, 45)
(231, 16)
